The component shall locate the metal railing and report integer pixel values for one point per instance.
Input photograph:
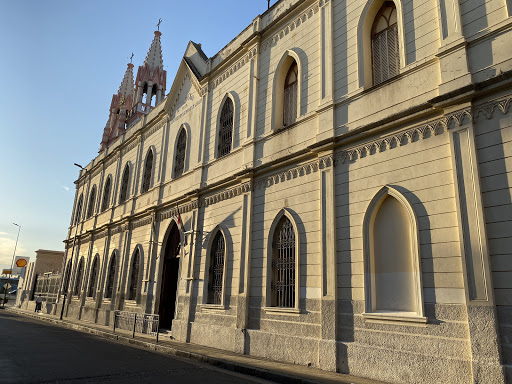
(145, 324)
(47, 285)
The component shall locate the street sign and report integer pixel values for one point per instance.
(19, 263)
(6, 272)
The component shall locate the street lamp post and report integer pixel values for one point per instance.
(12, 262)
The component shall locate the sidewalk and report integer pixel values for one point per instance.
(249, 365)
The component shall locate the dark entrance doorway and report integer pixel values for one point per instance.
(169, 278)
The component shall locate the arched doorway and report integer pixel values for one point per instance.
(168, 290)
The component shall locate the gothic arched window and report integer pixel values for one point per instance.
(148, 171)
(283, 265)
(216, 273)
(106, 195)
(68, 277)
(92, 199)
(134, 276)
(385, 49)
(111, 276)
(181, 147)
(123, 195)
(290, 96)
(78, 211)
(79, 275)
(93, 278)
(226, 129)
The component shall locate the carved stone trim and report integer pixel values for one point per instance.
(101, 235)
(141, 222)
(226, 194)
(296, 23)
(233, 68)
(130, 146)
(488, 109)
(295, 172)
(167, 214)
(153, 129)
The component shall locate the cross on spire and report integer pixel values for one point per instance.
(131, 58)
(159, 22)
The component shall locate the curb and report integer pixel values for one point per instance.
(172, 351)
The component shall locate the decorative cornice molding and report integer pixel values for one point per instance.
(141, 222)
(130, 146)
(226, 194)
(253, 51)
(101, 235)
(488, 109)
(154, 128)
(173, 212)
(296, 23)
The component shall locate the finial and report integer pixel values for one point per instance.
(268, 4)
(158, 25)
(131, 58)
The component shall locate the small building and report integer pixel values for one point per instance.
(41, 277)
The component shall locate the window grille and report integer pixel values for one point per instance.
(216, 270)
(111, 276)
(290, 96)
(134, 279)
(92, 199)
(385, 49)
(123, 195)
(226, 128)
(148, 170)
(68, 277)
(283, 265)
(79, 274)
(179, 164)
(93, 278)
(106, 195)
(79, 209)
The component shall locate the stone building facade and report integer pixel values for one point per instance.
(342, 172)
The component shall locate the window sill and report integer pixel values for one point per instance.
(212, 307)
(282, 311)
(407, 318)
(131, 303)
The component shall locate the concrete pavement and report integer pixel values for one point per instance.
(244, 364)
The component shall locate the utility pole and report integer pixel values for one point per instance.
(12, 262)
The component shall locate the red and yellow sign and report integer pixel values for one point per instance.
(20, 263)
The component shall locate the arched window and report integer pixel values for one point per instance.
(181, 147)
(283, 265)
(111, 276)
(123, 195)
(92, 199)
(216, 272)
(226, 129)
(385, 49)
(79, 275)
(93, 278)
(68, 277)
(106, 195)
(392, 266)
(290, 96)
(148, 170)
(78, 211)
(134, 276)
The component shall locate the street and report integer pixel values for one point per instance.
(34, 352)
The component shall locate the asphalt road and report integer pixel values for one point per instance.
(35, 352)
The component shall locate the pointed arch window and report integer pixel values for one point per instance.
(392, 264)
(283, 265)
(216, 272)
(92, 199)
(148, 170)
(68, 277)
(111, 277)
(94, 278)
(106, 194)
(226, 128)
(123, 195)
(384, 43)
(134, 276)
(181, 147)
(78, 212)
(290, 96)
(79, 275)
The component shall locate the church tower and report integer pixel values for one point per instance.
(150, 82)
(120, 109)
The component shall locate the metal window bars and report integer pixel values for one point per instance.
(78, 281)
(92, 198)
(124, 184)
(226, 128)
(283, 265)
(47, 285)
(148, 170)
(134, 280)
(93, 278)
(216, 275)
(181, 147)
(106, 195)
(111, 277)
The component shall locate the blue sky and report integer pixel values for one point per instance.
(61, 62)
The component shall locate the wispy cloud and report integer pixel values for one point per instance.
(7, 248)
(65, 188)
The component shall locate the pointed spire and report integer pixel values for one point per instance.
(154, 57)
(126, 87)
